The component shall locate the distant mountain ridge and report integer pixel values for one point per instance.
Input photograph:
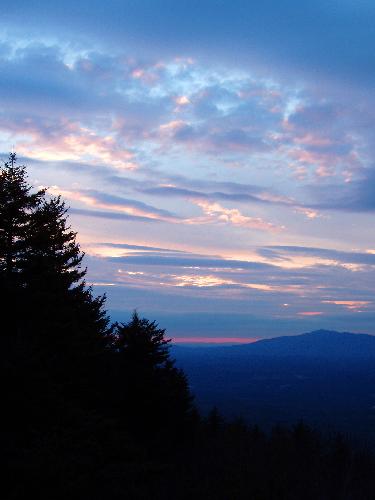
(327, 344)
(318, 343)
(324, 377)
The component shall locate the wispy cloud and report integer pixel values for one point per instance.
(339, 256)
(214, 212)
(115, 203)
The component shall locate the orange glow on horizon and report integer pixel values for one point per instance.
(310, 313)
(214, 340)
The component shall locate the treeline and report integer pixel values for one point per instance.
(98, 410)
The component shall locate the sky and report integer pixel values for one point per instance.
(217, 156)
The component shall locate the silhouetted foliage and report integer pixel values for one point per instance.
(142, 343)
(17, 203)
(53, 329)
(155, 394)
(40, 263)
(214, 421)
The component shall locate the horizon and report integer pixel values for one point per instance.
(213, 340)
(218, 158)
(229, 341)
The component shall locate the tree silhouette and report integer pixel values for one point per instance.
(54, 329)
(53, 276)
(52, 253)
(40, 262)
(155, 394)
(143, 343)
(17, 204)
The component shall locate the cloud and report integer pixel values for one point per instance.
(180, 281)
(128, 123)
(217, 125)
(189, 262)
(74, 109)
(358, 195)
(214, 212)
(110, 215)
(236, 193)
(317, 38)
(322, 137)
(351, 305)
(281, 252)
(126, 246)
(175, 191)
(115, 203)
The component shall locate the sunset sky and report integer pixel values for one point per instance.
(217, 156)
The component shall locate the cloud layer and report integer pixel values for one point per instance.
(218, 157)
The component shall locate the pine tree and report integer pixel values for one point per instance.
(143, 343)
(154, 392)
(53, 257)
(40, 265)
(54, 329)
(53, 275)
(17, 204)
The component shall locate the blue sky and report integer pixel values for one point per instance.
(218, 157)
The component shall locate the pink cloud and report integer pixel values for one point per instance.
(351, 305)
(120, 205)
(66, 140)
(310, 313)
(216, 213)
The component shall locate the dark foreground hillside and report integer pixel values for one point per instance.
(86, 457)
(126, 429)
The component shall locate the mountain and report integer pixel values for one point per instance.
(326, 378)
(317, 344)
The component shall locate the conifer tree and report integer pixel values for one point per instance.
(155, 394)
(53, 276)
(142, 342)
(55, 329)
(17, 204)
(53, 257)
(40, 263)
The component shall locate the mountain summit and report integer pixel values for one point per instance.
(317, 344)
